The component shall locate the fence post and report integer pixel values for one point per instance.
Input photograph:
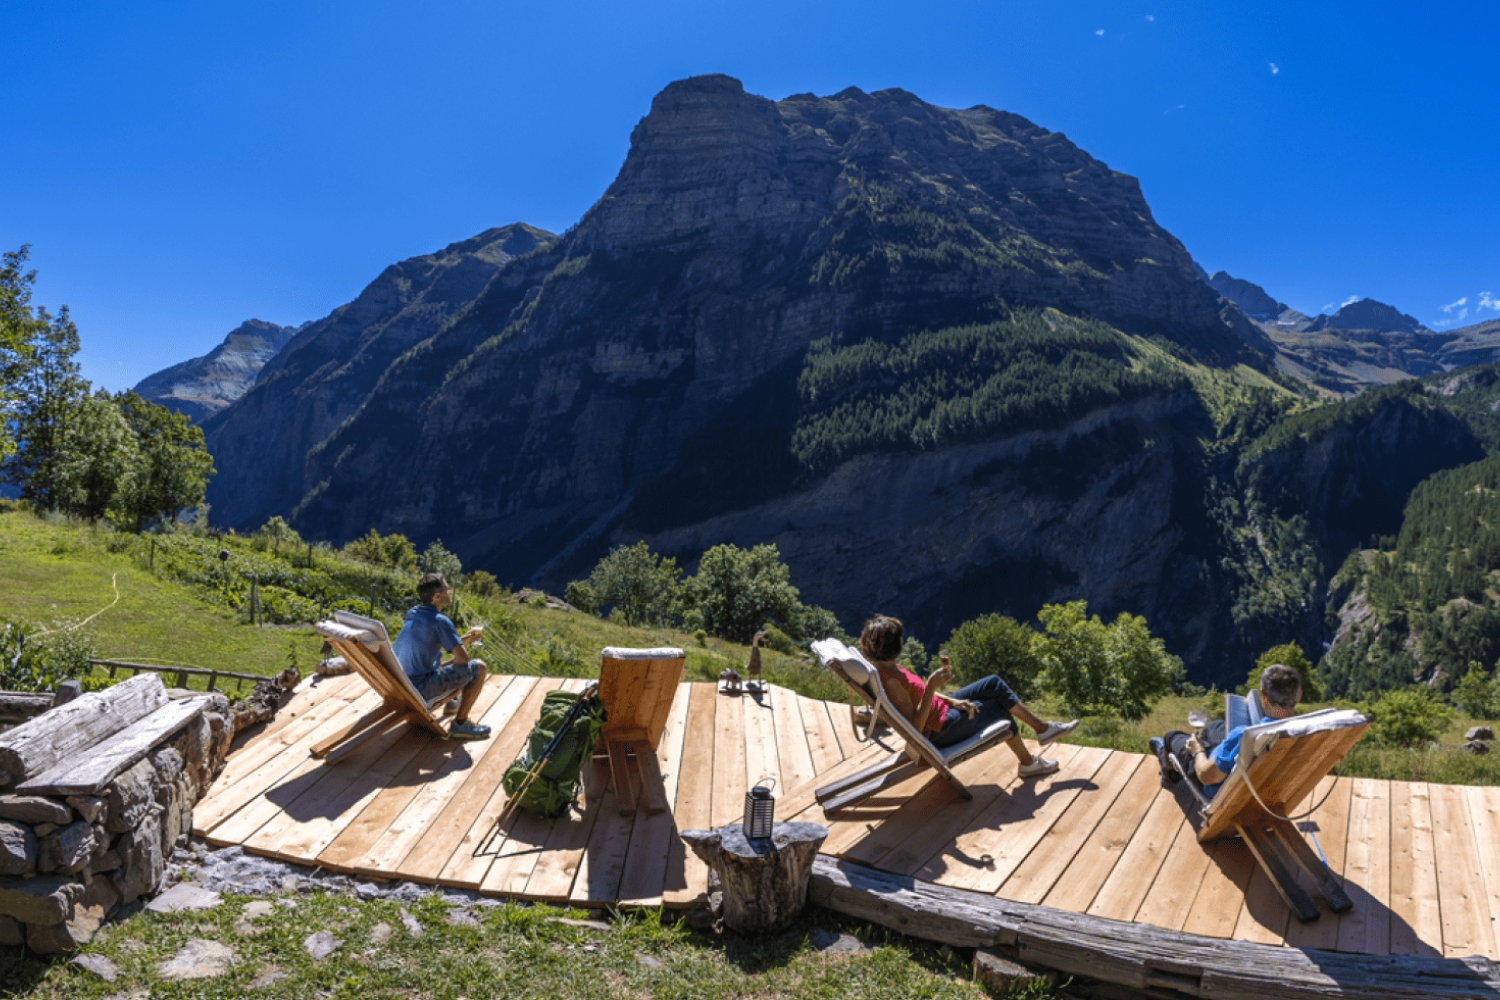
(254, 595)
(153, 554)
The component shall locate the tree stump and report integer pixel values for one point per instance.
(764, 881)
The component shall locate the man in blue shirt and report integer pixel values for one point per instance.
(428, 633)
(1212, 757)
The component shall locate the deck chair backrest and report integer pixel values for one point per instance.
(378, 643)
(638, 686)
(1278, 766)
(863, 675)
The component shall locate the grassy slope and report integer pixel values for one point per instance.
(53, 570)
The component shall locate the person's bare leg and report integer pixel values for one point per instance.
(1025, 714)
(1018, 747)
(471, 692)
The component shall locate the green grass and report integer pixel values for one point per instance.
(52, 571)
(515, 951)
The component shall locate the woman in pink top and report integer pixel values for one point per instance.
(953, 719)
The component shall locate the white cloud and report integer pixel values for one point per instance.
(1350, 300)
(1454, 305)
(1274, 68)
(1100, 32)
(1327, 307)
(1443, 324)
(1487, 300)
(1150, 17)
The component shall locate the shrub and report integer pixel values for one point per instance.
(1407, 717)
(1099, 669)
(778, 640)
(34, 659)
(995, 644)
(1289, 654)
(1477, 694)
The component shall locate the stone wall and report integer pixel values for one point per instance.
(68, 862)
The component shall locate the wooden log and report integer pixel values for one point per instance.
(40, 744)
(764, 880)
(90, 771)
(18, 706)
(1137, 956)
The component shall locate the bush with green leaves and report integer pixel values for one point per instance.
(1099, 669)
(581, 596)
(1407, 717)
(638, 583)
(1288, 654)
(1477, 694)
(436, 559)
(737, 590)
(38, 659)
(999, 645)
(275, 533)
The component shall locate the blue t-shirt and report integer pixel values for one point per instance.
(425, 636)
(1226, 752)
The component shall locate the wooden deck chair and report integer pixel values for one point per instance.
(637, 687)
(364, 644)
(864, 679)
(1278, 766)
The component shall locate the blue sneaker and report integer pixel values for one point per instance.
(463, 729)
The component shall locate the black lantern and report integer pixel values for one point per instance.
(760, 807)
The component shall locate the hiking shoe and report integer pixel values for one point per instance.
(1169, 775)
(1054, 730)
(463, 729)
(1038, 767)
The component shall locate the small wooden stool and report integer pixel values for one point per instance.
(637, 687)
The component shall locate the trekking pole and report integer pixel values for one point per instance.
(536, 769)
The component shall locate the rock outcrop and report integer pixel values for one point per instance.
(203, 386)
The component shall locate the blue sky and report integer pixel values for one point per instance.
(181, 167)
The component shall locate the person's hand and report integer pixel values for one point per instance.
(942, 675)
(1193, 746)
(969, 708)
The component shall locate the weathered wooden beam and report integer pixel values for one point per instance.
(17, 706)
(35, 746)
(1138, 956)
(92, 770)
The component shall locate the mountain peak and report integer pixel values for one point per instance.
(1368, 314)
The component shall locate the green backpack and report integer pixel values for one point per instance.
(555, 788)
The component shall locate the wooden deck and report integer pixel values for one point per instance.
(1100, 837)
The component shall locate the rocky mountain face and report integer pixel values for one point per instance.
(203, 386)
(324, 374)
(761, 279)
(1256, 303)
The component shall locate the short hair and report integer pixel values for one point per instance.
(881, 638)
(429, 585)
(1280, 685)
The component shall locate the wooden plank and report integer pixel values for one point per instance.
(1092, 863)
(762, 757)
(58, 734)
(843, 730)
(464, 820)
(1036, 876)
(1137, 959)
(1220, 893)
(729, 760)
(89, 771)
(638, 693)
(1169, 898)
(1416, 923)
(276, 762)
(557, 865)
(1022, 824)
(1329, 825)
(822, 744)
(1367, 869)
(926, 817)
(991, 776)
(1484, 815)
(1461, 892)
(686, 876)
(445, 765)
(1122, 893)
(651, 842)
(305, 820)
(849, 826)
(1314, 875)
(602, 863)
(309, 694)
(793, 749)
(801, 803)
(513, 717)
(274, 741)
(352, 848)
